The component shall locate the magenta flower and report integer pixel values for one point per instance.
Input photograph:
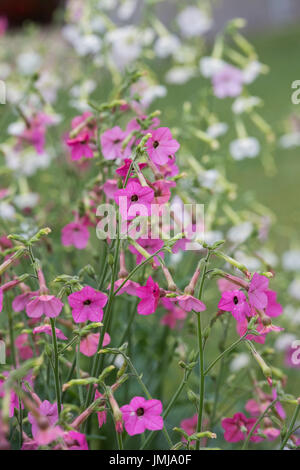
(242, 327)
(149, 294)
(89, 344)
(111, 144)
(80, 147)
(257, 292)
(235, 302)
(109, 188)
(23, 346)
(75, 234)
(47, 433)
(169, 169)
(100, 414)
(123, 170)
(134, 199)
(47, 305)
(151, 245)
(48, 331)
(188, 303)
(87, 304)
(160, 145)
(174, 318)
(274, 309)
(228, 82)
(142, 414)
(75, 441)
(189, 425)
(129, 287)
(237, 428)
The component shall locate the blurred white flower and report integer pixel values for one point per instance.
(208, 178)
(248, 147)
(242, 104)
(71, 33)
(5, 71)
(251, 71)
(48, 84)
(291, 140)
(179, 75)
(98, 24)
(125, 45)
(269, 257)
(239, 362)
(166, 45)
(26, 163)
(217, 129)
(29, 62)
(27, 200)
(209, 66)
(107, 4)
(89, 44)
(7, 211)
(212, 236)
(126, 9)
(294, 289)
(151, 93)
(16, 128)
(284, 341)
(253, 264)
(240, 233)
(291, 260)
(193, 22)
(292, 314)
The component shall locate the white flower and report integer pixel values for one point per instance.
(193, 22)
(166, 46)
(217, 129)
(28, 200)
(89, 44)
(5, 71)
(107, 4)
(294, 289)
(179, 75)
(253, 264)
(125, 45)
(269, 257)
(151, 93)
(243, 148)
(239, 362)
(16, 128)
(251, 71)
(242, 104)
(290, 140)
(98, 24)
(209, 178)
(71, 33)
(209, 66)
(291, 260)
(126, 9)
(29, 63)
(284, 341)
(7, 211)
(212, 236)
(240, 233)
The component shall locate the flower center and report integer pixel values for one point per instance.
(117, 141)
(235, 300)
(155, 144)
(134, 198)
(140, 411)
(87, 302)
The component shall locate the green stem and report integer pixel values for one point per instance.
(291, 426)
(236, 343)
(56, 366)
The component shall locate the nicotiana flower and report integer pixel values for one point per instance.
(166, 45)
(89, 344)
(80, 147)
(149, 295)
(46, 431)
(151, 245)
(238, 427)
(248, 147)
(235, 302)
(48, 331)
(210, 66)
(135, 199)
(228, 82)
(257, 291)
(188, 303)
(193, 22)
(142, 414)
(160, 145)
(75, 234)
(47, 305)
(111, 144)
(75, 440)
(87, 304)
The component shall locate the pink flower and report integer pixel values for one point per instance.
(111, 144)
(235, 302)
(225, 285)
(237, 428)
(87, 304)
(169, 169)
(174, 318)
(162, 191)
(129, 287)
(189, 425)
(20, 301)
(188, 302)
(89, 344)
(23, 346)
(48, 331)
(135, 199)
(151, 245)
(109, 188)
(48, 432)
(149, 294)
(80, 147)
(242, 327)
(257, 292)
(1, 300)
(76, 234)
(292, 356)
(47, 305)
(274, 309)
(228, 82)
(142, 414)
(75, 441)
(100, 414)
(161, 145)
(3, 25)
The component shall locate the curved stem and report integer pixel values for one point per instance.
(256, 424)
(291, 426)
(56, 367)
(236, 343)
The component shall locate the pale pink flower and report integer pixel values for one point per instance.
(47, 305)
(109, 188)
(23, 346)
(151, 245)
(111, 144)
(188, 303)
(228, 82)
(87, 304)
(257, 291)
(160, 145)
(89, 344)
(100, 414)
(75, 234)
(142, 414)
(20, 301)
(48, 331)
